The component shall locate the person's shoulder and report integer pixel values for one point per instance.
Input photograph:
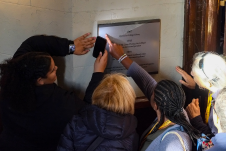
(51, 90)
(175, 140)
(77, 125)
(61, 92)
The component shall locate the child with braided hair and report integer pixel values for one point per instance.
(167, 99)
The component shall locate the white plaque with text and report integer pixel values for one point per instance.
(140, 40)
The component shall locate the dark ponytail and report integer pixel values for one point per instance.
(18, 79)
(170, 99)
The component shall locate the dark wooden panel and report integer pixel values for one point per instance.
(200, 26)
(144, 113)
(201, 33)
(189, 33)
(224, 50)
(212, 23)
(201, 23)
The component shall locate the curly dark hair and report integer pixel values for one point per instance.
(170, 99)
(18, 79)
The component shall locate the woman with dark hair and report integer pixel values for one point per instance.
(171, 130)
(34, 109)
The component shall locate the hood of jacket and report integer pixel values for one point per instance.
(108, 124)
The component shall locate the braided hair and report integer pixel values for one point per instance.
(18, 79)
(170, 99)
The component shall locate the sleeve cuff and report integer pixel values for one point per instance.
(196, 120)
(97, 76)
(69, 43)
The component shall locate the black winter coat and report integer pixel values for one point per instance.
(40, 129)
(118, 131)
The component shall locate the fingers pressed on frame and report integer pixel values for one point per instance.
(84, 36)
(108, 40)
(180, 71)
(89, 46)
(89, 43)
(88, 40)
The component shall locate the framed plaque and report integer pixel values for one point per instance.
(140, 41)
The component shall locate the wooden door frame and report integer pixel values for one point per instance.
(201, 33)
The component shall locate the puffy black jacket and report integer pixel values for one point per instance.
(118, 131)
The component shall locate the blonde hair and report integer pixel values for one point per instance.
(115, 94)
(213, 69)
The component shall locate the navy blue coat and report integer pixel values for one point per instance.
(118, 131)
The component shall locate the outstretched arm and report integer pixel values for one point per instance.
(99, 67)
(145, 81)
(193, 111)
(55, 46)
(198, 123)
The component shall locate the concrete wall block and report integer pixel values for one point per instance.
(100, 5)
(103, 5)
(66, 61)
(126, 13)
(19, 2)
(84, 22)
(148, 3)
(166, 9)
(84, 60)
(61, 5)
(20, 22)
(167, 69)
(76, 79)
(73, 18)
(81, 79)
(171, 43)
(3, 57)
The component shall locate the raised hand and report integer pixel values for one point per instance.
(101, 62)
(189, 81)
(115, 50)
(83, 44)
(193, 109)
